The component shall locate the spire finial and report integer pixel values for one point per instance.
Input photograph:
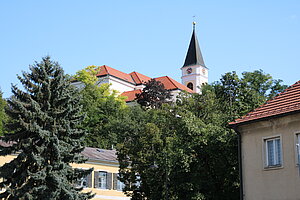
(194, 22)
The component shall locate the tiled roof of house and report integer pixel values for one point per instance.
(284, 103)
(99, 154)
(6, 144)
(88, 152)
(139, 78)
(171, 84)
(106, 70)
(131, 95)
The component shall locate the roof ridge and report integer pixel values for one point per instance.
(105, 68)
(172, 81)
(136, 76)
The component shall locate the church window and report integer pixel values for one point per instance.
(190, 85)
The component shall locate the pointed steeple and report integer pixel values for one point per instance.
(194, 56)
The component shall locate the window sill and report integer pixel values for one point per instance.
(275, 167)
(102, 189)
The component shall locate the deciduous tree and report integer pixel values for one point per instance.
(153, 95)
(102, 105)
(3, 117)
(186, 150)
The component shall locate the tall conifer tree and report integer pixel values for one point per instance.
(45, 137)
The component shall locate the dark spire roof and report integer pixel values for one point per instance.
(194, 56)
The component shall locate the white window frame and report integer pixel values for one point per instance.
(99, 180)
(297, 148)
(265, 152)
(120, 185)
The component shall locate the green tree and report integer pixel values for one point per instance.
(186, 150)
(3, 117)
(103, 106)
(153, 95)
(220, 103)
(45, 137)
(158, 153)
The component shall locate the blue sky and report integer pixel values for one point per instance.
(150, 37)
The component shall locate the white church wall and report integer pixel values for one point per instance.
(139, 87)
(120, 85)
(174, 94)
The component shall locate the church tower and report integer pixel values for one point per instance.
(194, 71)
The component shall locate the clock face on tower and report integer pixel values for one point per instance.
(189, 70)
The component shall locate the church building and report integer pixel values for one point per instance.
(194, 74)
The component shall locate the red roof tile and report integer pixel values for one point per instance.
(171, 84)
(131, 95)
(106, 70)
(139, 78)
(286, 102)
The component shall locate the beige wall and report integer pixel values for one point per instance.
(100, 194)
(281, 183)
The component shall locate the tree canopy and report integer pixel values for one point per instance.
(3, 116)
(186, 150)
(102, 105)
(45, 137)
(153, 95)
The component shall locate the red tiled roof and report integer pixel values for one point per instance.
(131, 95)
(106, 70)
(171, 84)
(139, 78)
(286, 102)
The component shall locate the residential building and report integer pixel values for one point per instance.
(102, 181)
(269, 139)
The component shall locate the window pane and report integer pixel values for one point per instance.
(120, 185)
(270, 152)
(102, 180)
(298, 148)
(278, 152)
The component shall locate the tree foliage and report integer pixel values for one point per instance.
(102, 106)
(153, 95)
(3, 116)
(186, 150)
(45, 137)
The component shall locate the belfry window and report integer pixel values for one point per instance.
(190, 85)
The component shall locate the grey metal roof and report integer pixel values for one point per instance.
(6, 144)
(88, 152)
(194, 55)
(99, 154)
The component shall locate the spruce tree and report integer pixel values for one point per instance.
(45, 137)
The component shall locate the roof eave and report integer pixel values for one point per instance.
(235, 125)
